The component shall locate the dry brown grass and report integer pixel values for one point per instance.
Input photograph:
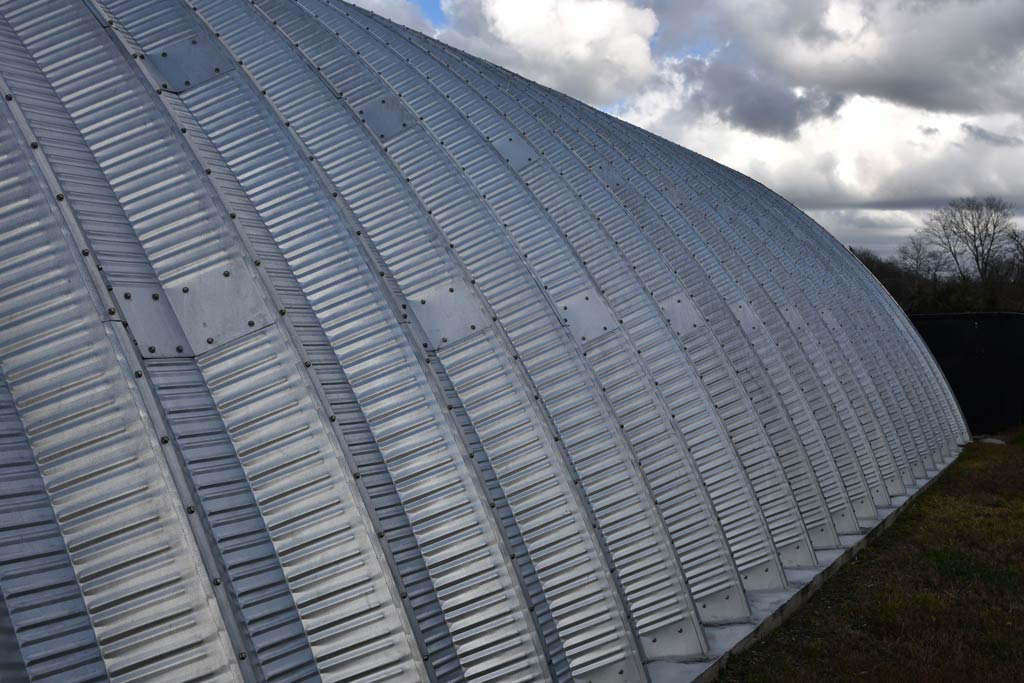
(938, 597)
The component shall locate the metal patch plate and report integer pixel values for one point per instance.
(214, 308)
(682, 315)
(610, 177)
(448, 312)
(189, 63)
(515, 150)
(385, 116)
(151, 321)
(749, 320)
(586, 315)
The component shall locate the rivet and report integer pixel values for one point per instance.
(111, 311)
(209, 340)
(34, 145)
(152, 349)
(185, 290)
(241, 655)
(8, 97)
(306, 363)
(164, 439)
(60, 197)
(216, 581)
(333, 418)
(252, 323)
(138, 373)
(282, 311)
(190, 509)
(156, 297)
(179, 348)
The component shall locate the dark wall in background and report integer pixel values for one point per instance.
(982, 355)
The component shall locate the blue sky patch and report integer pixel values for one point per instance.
(432, 11)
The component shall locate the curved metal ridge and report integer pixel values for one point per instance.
(330, 352)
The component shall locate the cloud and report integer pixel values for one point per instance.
(597, 50)
(880, 230)
(989, 138)
(745, 97)
(943, 55)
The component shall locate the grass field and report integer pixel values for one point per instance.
(938, 597)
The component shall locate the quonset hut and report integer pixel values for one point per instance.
(331, 352)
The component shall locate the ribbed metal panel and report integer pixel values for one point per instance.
(137, 569)
(330, 352)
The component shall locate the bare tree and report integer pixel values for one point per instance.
(974, 233)
(1017, 245)
(919, 256)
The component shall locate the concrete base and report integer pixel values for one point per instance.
(770, 609)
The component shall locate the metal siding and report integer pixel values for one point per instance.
(330, 352)
(139, 574)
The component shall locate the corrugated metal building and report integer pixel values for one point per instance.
(328, 351)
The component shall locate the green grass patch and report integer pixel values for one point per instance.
(939, 596)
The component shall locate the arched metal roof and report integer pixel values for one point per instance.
(331, 352)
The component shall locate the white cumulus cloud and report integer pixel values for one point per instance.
(597, 50)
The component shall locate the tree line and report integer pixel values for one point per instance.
(968, 256)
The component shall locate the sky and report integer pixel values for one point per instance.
(867, 114)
